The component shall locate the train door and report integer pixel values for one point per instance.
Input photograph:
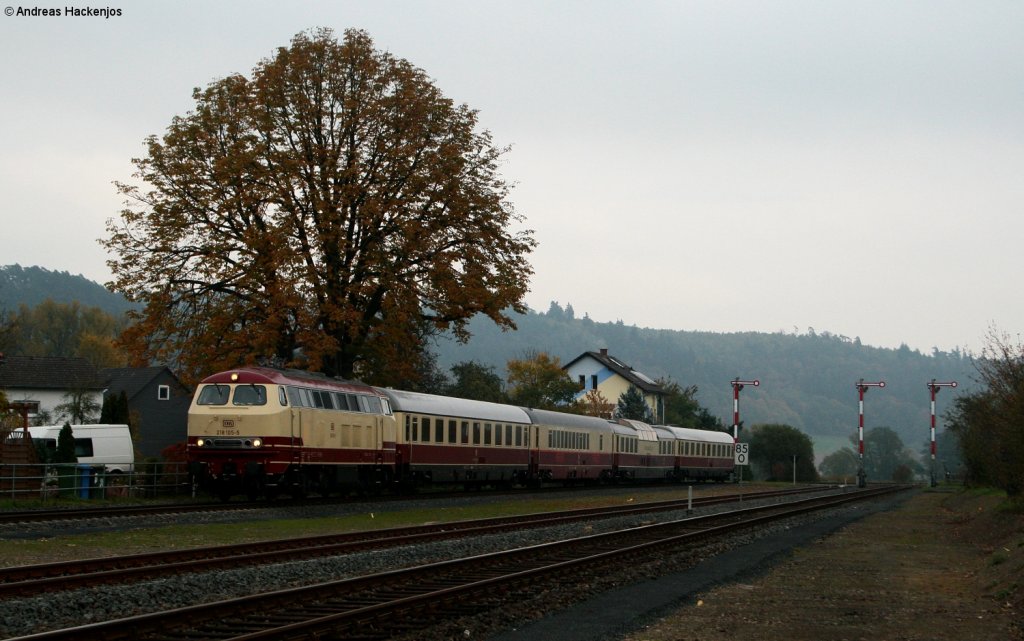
(295, 435)
(533, 436)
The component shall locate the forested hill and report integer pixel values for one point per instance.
(807, 380)
(32, 285)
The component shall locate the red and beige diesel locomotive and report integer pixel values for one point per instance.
(261, 431)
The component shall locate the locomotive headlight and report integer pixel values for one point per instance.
(257, 442)
(200, 442)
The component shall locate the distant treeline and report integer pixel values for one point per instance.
(30, 286)
(807, 379)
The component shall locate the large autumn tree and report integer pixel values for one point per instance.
(335, 202)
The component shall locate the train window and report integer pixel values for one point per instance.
(414, 431)
(452, 431)
(439, 430)
(314, 399)
(526, 437)
(519, 435)
(323, 400)
(282, 398)
(373, 404)
(498, 434)
(408, 428)
(600, 442)
(214, 395)
(250, 395)
(425, 430)
(487, 433)
(508, 435)
(476, 433)
(465, 432)
(385, 406)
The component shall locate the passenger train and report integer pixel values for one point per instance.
(261, 431)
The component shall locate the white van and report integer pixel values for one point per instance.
(102, 444)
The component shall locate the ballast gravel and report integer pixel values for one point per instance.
(19, 617)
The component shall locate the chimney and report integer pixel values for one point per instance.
(604, 351)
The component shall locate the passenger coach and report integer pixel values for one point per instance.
(445, 440)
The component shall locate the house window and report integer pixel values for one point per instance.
(163, 393)
(583, 381)
(593, 380)
(29, 408)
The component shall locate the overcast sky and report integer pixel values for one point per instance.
(855, 167)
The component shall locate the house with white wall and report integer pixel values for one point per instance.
(612, 377)
(36, 385)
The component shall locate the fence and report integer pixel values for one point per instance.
(45, 482)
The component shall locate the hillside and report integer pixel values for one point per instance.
(32, 285)
(807, 380)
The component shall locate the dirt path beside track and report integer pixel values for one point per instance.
(941, 567)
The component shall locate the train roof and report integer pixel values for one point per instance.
(561, 419)
(642, 430)
(705, 436)
(272, 376)
(402, 401)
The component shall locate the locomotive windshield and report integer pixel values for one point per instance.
(214, 395)
(250, 395)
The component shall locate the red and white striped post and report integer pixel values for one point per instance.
(933, 387)
(737, 385)
(862, 387)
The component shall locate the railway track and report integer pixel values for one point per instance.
(21, 581)
(384, 605)
(128, 511)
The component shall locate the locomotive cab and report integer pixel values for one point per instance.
(261, 431)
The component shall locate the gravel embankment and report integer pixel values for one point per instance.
(36, 614)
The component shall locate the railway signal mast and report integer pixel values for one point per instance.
(737, 385)
(862, 387)
(934, 387)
